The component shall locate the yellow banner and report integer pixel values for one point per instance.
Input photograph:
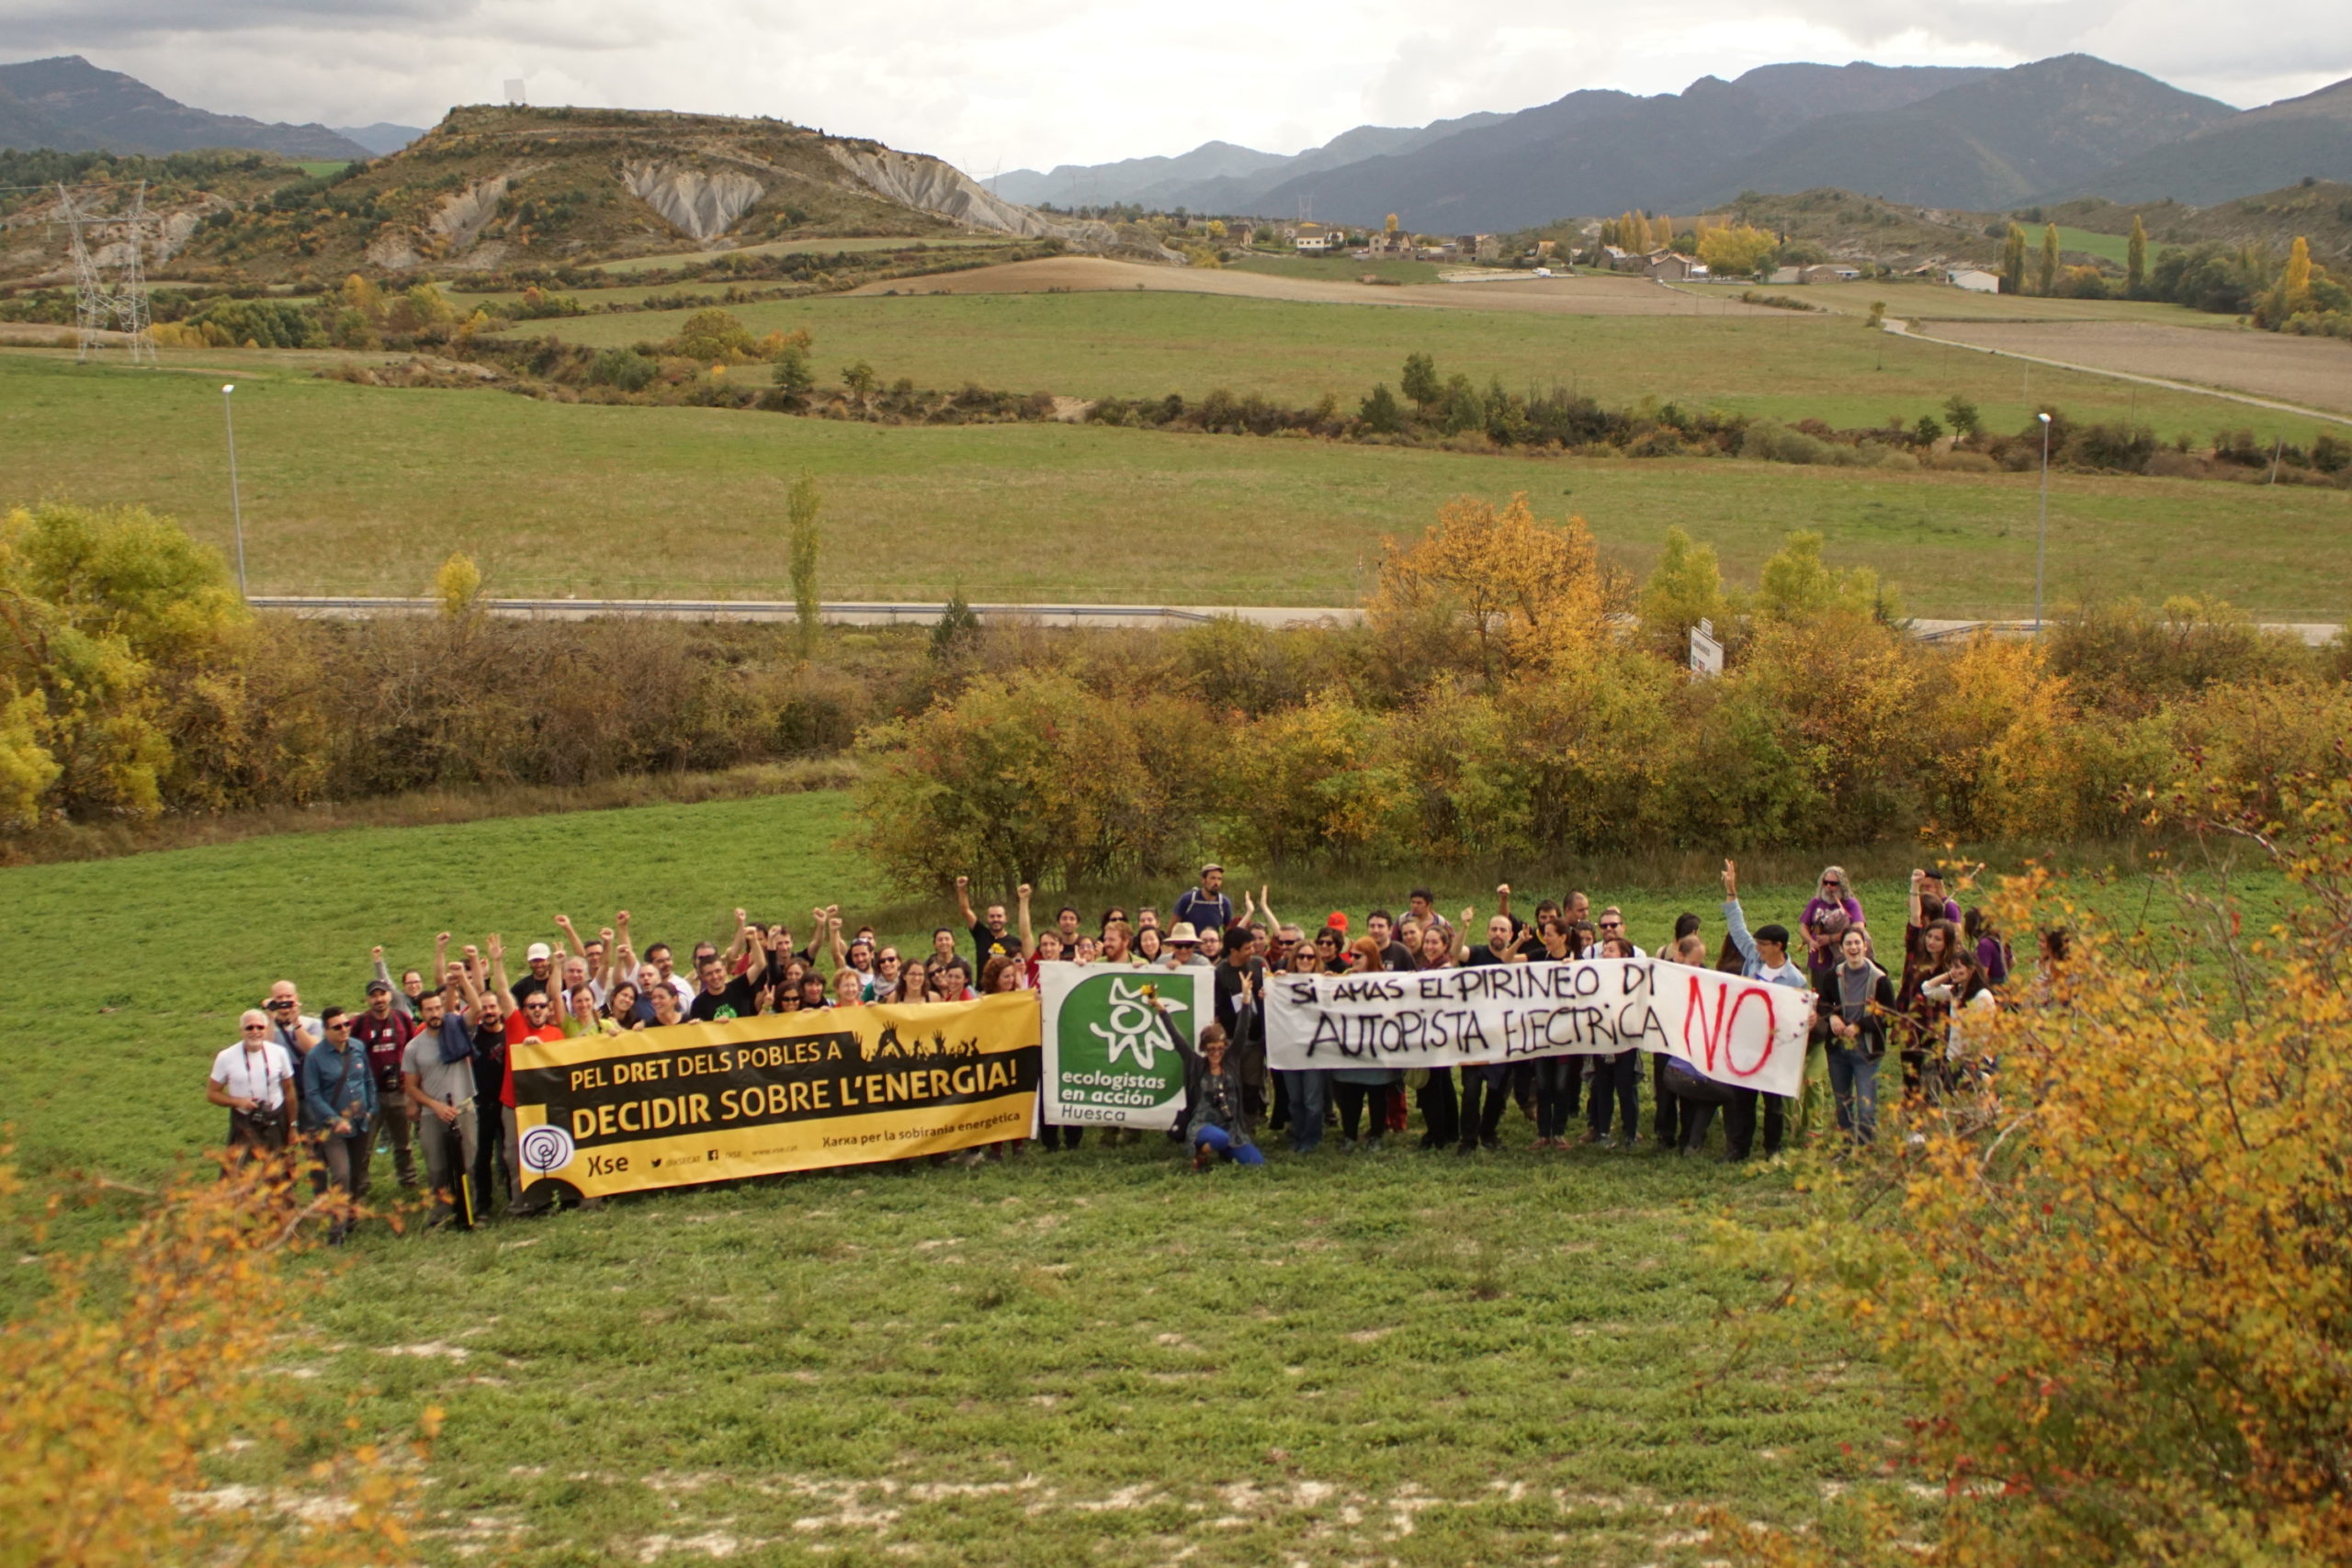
(602, 1113)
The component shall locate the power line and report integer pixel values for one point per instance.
(103, 301)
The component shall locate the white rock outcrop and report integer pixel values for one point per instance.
(701, 202)
(930, 186)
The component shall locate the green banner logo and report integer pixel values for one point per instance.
(1119, 1037)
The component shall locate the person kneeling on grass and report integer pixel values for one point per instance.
(1216, 1131)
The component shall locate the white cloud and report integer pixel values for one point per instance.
(1028, 81)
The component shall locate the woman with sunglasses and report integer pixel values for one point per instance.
(1835, 892)
(1362, 1090)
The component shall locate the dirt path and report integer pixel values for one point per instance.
(1549, 296)
(2303, 373)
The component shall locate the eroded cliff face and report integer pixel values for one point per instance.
(449, 230)
(701, 202)
(931, 185)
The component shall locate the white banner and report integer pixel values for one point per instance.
(1740, 1032)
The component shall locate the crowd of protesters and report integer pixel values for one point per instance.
(425, 1069)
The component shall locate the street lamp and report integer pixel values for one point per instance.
(2041, 541)
(236, 507)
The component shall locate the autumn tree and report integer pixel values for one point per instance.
(1736, 249)
(136, 1364)
(2136, 258)
(1798, 585)
(2049, 278)
(1686, 587)
(2297, 279)
(803, 535)
(457, 584)
(1492, 591)
(2013, 261)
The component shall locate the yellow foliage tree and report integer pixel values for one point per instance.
(1500, 591)
(136, 1364)
(2117, 1274)
(2298, 279)
(1736, 249)
(456, 582)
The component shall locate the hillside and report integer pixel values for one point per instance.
(1218, 176)
(496, 187)
(1990, 142)
(2264, 149)
(68, 104)
(1601, 152)
(2320, 211)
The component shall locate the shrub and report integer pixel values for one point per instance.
(624, 368)
(2124, 657)
(2119, 1273)
(1033, 778)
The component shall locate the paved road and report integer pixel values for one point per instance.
(879, 614)
(886, 613)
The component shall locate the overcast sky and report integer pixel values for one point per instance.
(1014, 83)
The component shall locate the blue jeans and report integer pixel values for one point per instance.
(1853, 1083)
(1220, 1140)
(1310, 1094)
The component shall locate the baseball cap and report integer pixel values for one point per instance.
(1210, 867)
(540, 950)
(1338, 920)
(379, 987)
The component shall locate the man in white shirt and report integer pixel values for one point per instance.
(254, 1080)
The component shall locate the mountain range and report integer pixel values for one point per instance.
(70, 105)
(1974, 138)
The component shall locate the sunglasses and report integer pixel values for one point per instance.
(534, 1007)
(253, 1026)
(1612, 925)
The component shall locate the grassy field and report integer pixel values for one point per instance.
(1919, 299)
(1097, 1356)
(357, 488)
(1148, 344)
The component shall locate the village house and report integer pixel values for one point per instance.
(1668, 267)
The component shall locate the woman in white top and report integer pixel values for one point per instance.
(1962, 987)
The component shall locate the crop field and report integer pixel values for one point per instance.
(1144, 344)
(2313, 371)
(1920, 300)
(366, 490)
(1093, 1356)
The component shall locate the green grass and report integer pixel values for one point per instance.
(1146, 343)
(1092, 1358)
(321, 168)
(1919, 299)
(357, 488)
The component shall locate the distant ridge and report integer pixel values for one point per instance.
(70, 105)
(2261, 150)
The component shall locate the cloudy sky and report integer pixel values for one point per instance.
(1014, 83)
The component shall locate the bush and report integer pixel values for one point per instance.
(1036, 779)
(2119, 1273)
(624, 368)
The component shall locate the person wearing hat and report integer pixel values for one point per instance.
(1184, 942)
(383, 1032)
(542, 960)
(1206, 906)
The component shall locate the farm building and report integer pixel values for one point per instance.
(1668, 267)
(1313, 237)
(1975, 279)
